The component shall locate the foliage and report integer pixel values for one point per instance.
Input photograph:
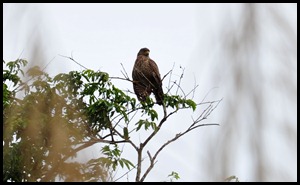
(232, 178)
(48, 120)
(46, 124)
(174, 175)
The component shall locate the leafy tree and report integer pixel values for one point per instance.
(48, 120)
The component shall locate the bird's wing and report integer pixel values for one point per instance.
(138, 72)
(155, 72)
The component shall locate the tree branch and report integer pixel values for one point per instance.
(193, 126)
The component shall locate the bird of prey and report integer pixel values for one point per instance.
(146, 77)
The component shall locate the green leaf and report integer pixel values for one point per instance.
(139, 123)
(174, 175)
(192, 104)
(121, 163)
(153, 114)
(125, 132)
(105, 77)
(127, 163)
(116, 152)
(106, 150)
(154, 127)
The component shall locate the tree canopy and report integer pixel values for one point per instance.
(48, 120)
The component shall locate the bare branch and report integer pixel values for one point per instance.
(179, 87)
(125, 75)
(166, 75)
(192, 91)
(193, 126)
(171, 71)
(120, 78)
(208, 93)
(71, 58)
(169, 88)
(181, 76)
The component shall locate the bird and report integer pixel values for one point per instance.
(146, 77)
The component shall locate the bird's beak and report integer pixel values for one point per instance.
(147, 52)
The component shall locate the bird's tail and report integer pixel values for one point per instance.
(159, 96)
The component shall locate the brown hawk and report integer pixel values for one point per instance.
(146, 77)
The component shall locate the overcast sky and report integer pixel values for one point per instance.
(101, 36)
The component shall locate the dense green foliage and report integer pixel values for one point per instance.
(48, 120)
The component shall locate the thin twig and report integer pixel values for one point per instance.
(180, 78)
(71, 58)
(177, 136)
(169, 88)
(192, 91)
(179, 87)
(171, 71)
(126, 75)
(120, 78)
(166, 75)
(208, 93)
(134, 167)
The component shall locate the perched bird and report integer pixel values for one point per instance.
(146, 77)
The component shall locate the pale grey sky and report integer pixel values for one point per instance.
(101, 36)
